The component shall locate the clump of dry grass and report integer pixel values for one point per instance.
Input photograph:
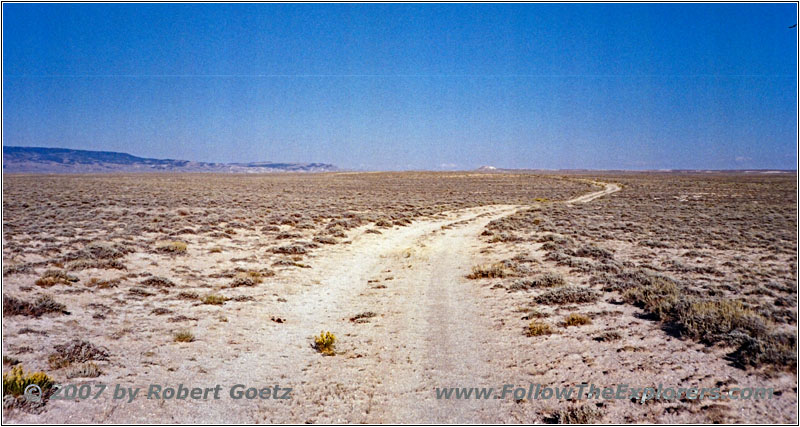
(576, 319)
(537, 328)
(94, 282)
(55, 277)
(84, 370)
(183, 336)
(212, 299)
(497, 269)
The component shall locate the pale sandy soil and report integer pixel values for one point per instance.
(433, 328)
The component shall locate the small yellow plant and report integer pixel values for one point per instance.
(14, 382)
(325, 343)
(575, 319)
(537, 328)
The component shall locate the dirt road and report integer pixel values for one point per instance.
(426, 330)
(586, 198)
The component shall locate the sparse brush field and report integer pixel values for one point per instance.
(417, 280)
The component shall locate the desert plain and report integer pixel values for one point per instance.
(427, 280)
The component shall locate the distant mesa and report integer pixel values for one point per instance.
(62, 160)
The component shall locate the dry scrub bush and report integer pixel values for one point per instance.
(657, 297)
(608, 336)
(171, 246)
(84, 263)
(584, 414)
(544, 280)
(568, 295)
(158, 282)
(75, 351)
(249, 278)
(776, 349)
(43, 304)
(711, 321)
(363, 317)
(290, 250)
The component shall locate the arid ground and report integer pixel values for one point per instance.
(427, 280)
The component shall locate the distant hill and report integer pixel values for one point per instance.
(62, 160)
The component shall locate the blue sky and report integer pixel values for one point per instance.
(380, 86)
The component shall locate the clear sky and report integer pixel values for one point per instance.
(382, 86)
